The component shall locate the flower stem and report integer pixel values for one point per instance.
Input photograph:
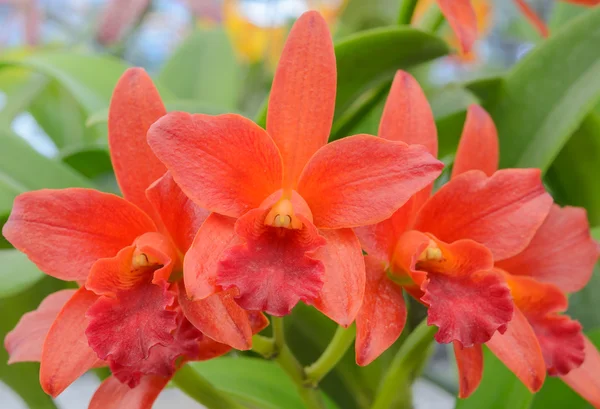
(407, 9)
(341, 341)
(202, 391)
(407, 359)
(275, 348)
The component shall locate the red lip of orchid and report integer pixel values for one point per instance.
(131, 314)
(283, 200)
(441, 248)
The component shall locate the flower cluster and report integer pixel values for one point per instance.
(221, 221)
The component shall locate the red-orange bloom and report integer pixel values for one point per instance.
(128, 253)
(441, 248)
(283, 200)
(559, 258)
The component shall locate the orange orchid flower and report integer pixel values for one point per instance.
(284, 202)
(128, 254)
(441, 248)
(538, 277)
(463, 20)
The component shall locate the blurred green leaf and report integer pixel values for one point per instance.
(583, 305)
(204, 68)
(573, 175)
(23, 378)
(257, 382)
(499, 388)
(17, 273)
(548, 93)
(596, 233)
(20, 88)
(555, 394)
(89, 78)
(90, 161)
(562, 13)
(371, 58)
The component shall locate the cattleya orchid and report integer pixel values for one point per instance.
(526, 237)
(131, 312)
(463, 18)
(284, 202)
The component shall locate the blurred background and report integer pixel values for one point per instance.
(235, 44)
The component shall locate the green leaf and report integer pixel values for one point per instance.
(204, 68)
(23, 378)
(89, 78)
(555, 394)
(371, 58)
(254, 381)
(548, 93)
(20, 88)
(499, 388)
(583, 305)
(90, 161)
(17, 273)
(573, 174)
(596, 233)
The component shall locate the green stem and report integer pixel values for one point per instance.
(407, 9)
(341, 341)
(276, 349)
(432, 20)
(198, 388)
(409, 356)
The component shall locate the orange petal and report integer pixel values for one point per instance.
(344, 278)
(533, 18)
(585, 380)
(274, 267)
(461, 17)
(303, 95)
(181, 217)
(470, 368)
(202, 259)
(562, 251)
(65, 231)
(135, 105)
(24, 343)
(382, 316)
(502, 212)
(66, 354)
(219, 317)
(520, 351)
(407, 116)
(466, 301)
(226, 163)
(113, 394)
(478, 147)
(535, 298)
(363, 180)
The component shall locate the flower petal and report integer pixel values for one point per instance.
(560, 337)
(470, 368)
(344, 277)
(502, 212)
(520, 351)
(407, 116)
(275, 267)
(65, 231)
(363, 180)
(135, 105)
(115, 331)
(219, 317)
(24, 343)
(382, 316)
(584, 380)
(478, 147)
(226, 163)
(461, 17)
(66, 354)
(562, 252)
(113, 394)
(202, 259)
(181, 217)
(302, 98)
(466, 300)
(533, 18)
